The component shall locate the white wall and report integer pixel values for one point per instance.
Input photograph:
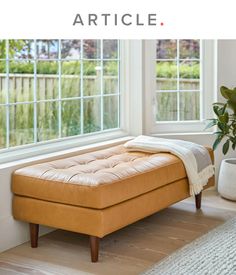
(226, 63)
(226, 76)
(14, 233)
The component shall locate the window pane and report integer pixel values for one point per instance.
(21, 67)
(47, 120)
(70, 86)
(3, 81)
(91, 77)
(70, 81)
(189, 72)
(21, 49)
(2, 48)
(21, 124)
(110, 68)
(47, 87)
(47, 49)
(70, 68)
(2, 126)
(47, 67)
(2, 67)
(189, 48)
(166, 73)
(189, 106)
(70, 118)
(92, 115)
(166, 49)
(47, 80)
(180, 74)
(110, 109)
(110, 49)
(92, 49)
(110, 77)
(166, 106)
(70, 49)
(110, 84)
(21, 81)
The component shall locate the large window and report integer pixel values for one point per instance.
(51, 89)
(178, 81)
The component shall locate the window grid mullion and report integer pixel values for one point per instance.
(56, 99)
(59, 92)
(180, 59)
(174, 91)
(201, 80)
(81, 88)
(65, 59)
(35, 93)
(118, 84)
(101, 81)
(7, 97)
(178, 86)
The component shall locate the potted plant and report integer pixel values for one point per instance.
(225, 122)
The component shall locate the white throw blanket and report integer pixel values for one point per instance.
(196, 158)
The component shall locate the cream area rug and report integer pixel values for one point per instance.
(211, 254)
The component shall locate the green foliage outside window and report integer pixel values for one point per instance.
(21, 82)
(187, 71)
(45, 67)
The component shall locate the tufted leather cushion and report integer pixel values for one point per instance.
(98, 179)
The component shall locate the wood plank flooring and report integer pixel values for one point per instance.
(128, 251)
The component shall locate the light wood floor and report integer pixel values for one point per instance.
(128, 251)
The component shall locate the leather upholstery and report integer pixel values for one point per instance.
(99, 222)
(98, 179)
(101, 192)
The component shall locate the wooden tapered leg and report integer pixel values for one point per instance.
(34, 233)
(94, 248)
(198, 200)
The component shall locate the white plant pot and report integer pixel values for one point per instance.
(227, 179)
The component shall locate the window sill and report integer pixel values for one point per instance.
(179, 127)
(65, 148)
(183, 134)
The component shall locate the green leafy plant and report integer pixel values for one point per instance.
(225, 120)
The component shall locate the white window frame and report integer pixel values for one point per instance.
(59, 100)
(127, 97)
(207, 91)
(137, 102)
(131, 117)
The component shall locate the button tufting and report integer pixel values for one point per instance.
(98, 167)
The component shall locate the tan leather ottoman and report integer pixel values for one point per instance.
(98, 193)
